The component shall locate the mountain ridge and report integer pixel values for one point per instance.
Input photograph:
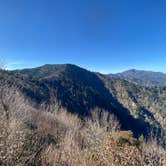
(142, 77)
(81, 91)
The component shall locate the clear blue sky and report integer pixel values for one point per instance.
(101, 35)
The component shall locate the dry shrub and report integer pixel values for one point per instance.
(66, 129)
(111, 153)
(105, 119)
(13, 104)
(77, 138)
(101, 121)
(17, 142)
(153, 153)
(120, 148)
(57, 138)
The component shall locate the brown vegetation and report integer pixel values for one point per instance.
(57, 138)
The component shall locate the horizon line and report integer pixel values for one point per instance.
(102, 71)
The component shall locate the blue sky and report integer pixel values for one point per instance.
(100, 35)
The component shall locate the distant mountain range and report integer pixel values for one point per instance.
(80, 91)
(143, 78)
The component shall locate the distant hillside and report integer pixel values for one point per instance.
(143, 78)
(81, 91)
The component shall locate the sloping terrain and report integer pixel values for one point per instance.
(80, 92)
(147, 103)
(143, 78)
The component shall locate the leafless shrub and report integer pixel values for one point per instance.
(120, 148)
(106, 120)
(13, 142)
(17, 140)
(13, 104)
(153, 152)
(66, 128)
(101, 122)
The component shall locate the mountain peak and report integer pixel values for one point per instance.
(48, 70)
(143, 78)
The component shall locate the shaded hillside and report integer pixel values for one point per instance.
(147, 103)
(80, 92)
(144, 78)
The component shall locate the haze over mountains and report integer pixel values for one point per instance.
(80, 91)
(141, 77)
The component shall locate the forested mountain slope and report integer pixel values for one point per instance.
(80, 91)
